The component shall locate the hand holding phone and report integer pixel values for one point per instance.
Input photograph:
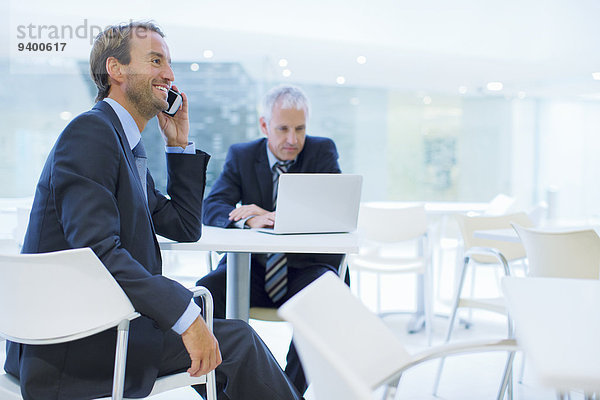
(174, 99)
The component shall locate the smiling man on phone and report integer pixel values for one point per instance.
(95, 191)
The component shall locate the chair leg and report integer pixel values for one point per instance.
(211, 386)
(522, 371)
(378, 275)
(120, 360)
(455, 303)
(397, 386)
(507, 381)
(562, 396)
(427, 300)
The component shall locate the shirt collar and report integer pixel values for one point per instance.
(273, 159)
(132, 132)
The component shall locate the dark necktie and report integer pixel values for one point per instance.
(139, 153)
(280, 167)
(276, 269)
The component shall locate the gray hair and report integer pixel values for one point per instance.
(287, 97)
(114, 42)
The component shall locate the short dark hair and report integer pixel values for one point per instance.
(114, 41)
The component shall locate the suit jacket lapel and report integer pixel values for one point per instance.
(264, 175)
(112, 116)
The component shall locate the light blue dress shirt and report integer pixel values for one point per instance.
(133, 135)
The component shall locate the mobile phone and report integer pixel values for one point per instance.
(174, 99)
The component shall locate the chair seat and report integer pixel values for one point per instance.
(265, 314)
(9, 387)
(170, 382)
(175, 381)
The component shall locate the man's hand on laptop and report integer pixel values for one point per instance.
(250, 210)
(257, 217)
(262, 221)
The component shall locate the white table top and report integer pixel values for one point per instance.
(439, 207)
(252, 241)
(557, 324)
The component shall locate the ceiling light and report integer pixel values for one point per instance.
(354, 101)
(596, 75)
(462, 89)
(361, 59)
(65, 115)
(494, 86)
(427, 100)
(208, 54)
(283, 62)
(286, 73)
(340, 80)
(194, 67)
(521, 95)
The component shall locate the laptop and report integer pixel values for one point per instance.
(316, 203)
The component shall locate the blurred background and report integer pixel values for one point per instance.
(429, 100)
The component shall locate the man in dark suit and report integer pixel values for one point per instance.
(250, 177)
(96, 192)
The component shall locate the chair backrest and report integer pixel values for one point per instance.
(22, 222)
(511, 251)
(346, 350)
(557, 324)
(538, 213)
(56, 297)
(501, 204)
(561, 254)
(389, 222)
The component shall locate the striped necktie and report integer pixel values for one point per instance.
(276, 276)
(280, 167)
(276, 268)
(141, 163)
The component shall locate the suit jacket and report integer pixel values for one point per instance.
(89, 195)
(247, 178)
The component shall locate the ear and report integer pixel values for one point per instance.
(263, 126)
(115, 69)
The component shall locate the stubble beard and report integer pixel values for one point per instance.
(140, 94)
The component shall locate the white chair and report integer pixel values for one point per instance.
(538, 213)
(384, 228)
(501, 204)
(561, 254)
(485, 252)
(557, 324)
(81, 298)
(354, 353)
(573, 254)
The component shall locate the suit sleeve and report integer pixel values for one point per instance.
(225, 194)
(85, 177)
(328, 158)
(180, 217)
